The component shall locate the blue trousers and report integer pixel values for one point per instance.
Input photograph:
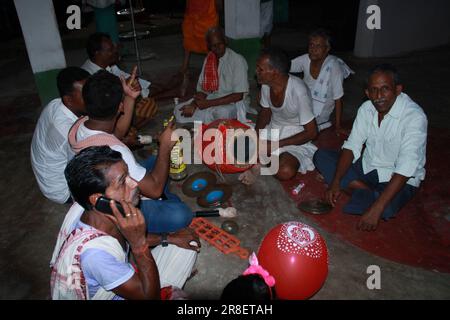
(326, 162)
(165, 215)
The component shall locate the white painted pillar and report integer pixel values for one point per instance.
(43, 42)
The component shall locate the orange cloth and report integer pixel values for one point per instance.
(210, 82)
(200, 15)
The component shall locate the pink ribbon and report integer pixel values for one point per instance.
(255, 268)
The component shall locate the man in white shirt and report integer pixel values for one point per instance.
(91, 256)
(103, 94)
(103, 54)
(50, 150)
(324, 75)
(286, 107)
(222, 85)
(385, 177)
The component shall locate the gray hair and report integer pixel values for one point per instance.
(322, 33)
(214, 30)
(278, 59)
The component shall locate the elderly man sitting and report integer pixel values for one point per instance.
(385, 175)
(221, 87)
(90, 259)
(286, 110)
(324, 75)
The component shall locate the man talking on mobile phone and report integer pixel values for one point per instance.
(90, 259)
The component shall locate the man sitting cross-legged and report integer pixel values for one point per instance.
(50, 150)
(90, 259)
(222, 85)
(286, 107)
(102, 94)
(385, 175)
(324, 75)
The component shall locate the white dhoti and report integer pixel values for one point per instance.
(229, 111)
(174, 264)
(303, 153)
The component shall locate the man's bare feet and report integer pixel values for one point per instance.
(249, 177)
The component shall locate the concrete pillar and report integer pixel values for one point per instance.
(406, 25)
(242, 27)
(106, 18)
(43, 42)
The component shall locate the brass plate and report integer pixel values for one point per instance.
(315, 206)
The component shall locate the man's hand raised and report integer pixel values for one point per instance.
(132, 225)
(131, 86)
(168, 138)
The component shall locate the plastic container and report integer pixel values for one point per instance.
(297, 189)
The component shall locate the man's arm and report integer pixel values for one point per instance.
(334, 190)
(263, 119)
(124, 122)
(152, 185)
(228, 99)
(369, 220)
(339, 105)
(132, 90)
(185, 238)
(411, 157)
(145, 283)
(310, 133)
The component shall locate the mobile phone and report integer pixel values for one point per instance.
(103, 205)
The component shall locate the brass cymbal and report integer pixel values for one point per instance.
(215, 196)
(196, 184)
(315, 206)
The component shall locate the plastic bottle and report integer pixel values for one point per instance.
(177, 169)
(298, 188)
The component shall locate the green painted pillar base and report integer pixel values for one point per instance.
(46, 85)
(106, 21)
(250, 49)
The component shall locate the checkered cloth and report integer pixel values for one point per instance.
(210, 81)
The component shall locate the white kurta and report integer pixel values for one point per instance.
(233, 78)
(289, 119)
(50, 150)
(327, 88)
(398, 145)
(92, 68)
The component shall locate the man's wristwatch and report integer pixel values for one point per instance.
(164, 241)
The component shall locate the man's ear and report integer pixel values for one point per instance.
(93, 198)
(367, 93)
(67, 100)
(398, 89)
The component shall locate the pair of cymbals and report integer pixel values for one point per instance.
(203, 186)
(315, 206)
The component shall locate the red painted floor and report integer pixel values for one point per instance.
(420, 233)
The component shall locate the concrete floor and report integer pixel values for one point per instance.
(29, 223)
